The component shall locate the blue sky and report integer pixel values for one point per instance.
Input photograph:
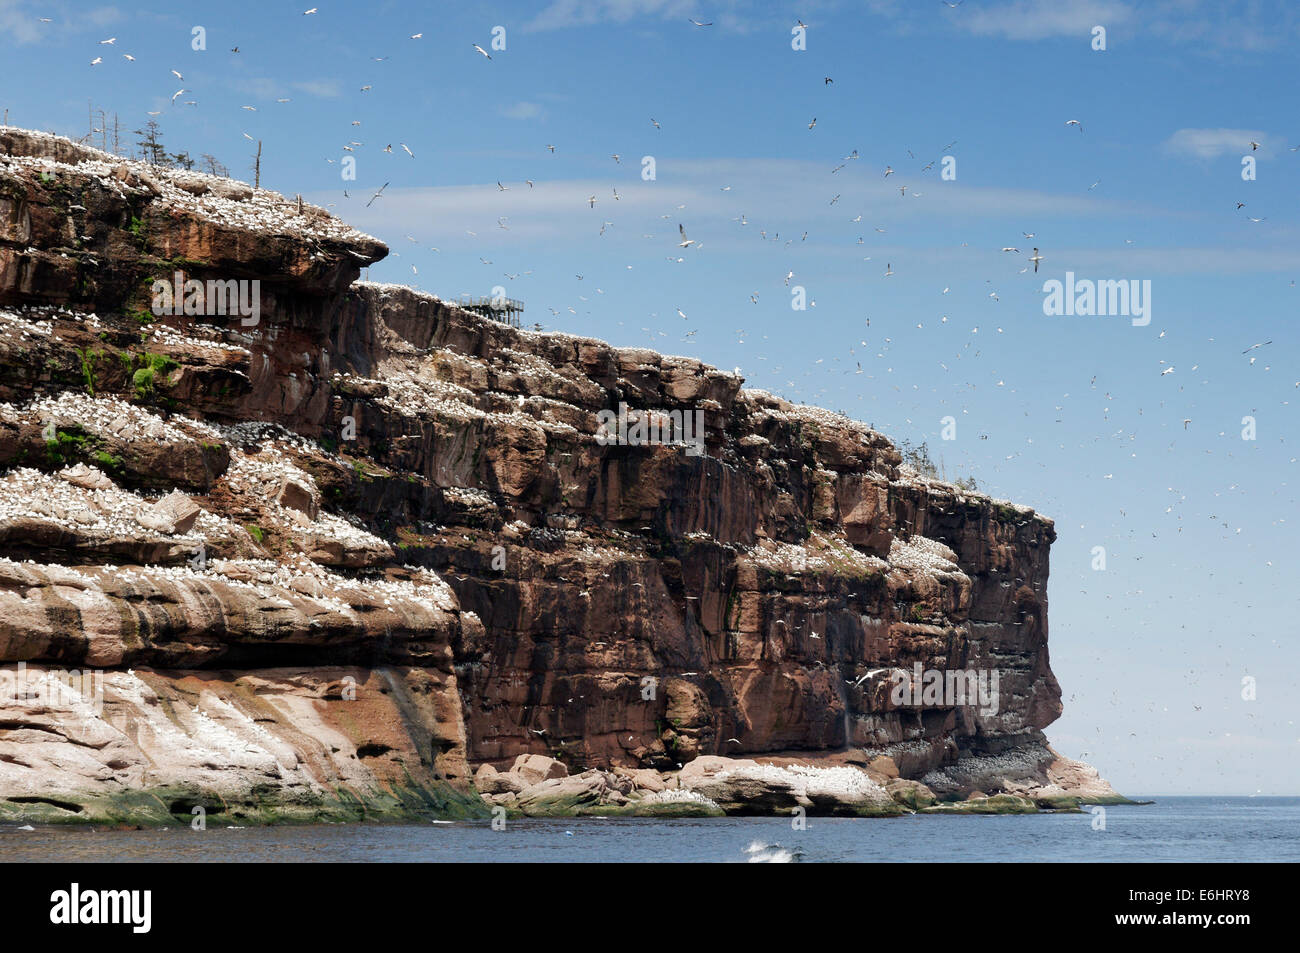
(1072, 415)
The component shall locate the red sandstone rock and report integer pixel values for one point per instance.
(385, 479)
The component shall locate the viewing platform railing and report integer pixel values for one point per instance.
(506, 310)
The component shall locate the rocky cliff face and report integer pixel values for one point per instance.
(334, 557)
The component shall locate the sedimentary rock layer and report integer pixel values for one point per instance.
(351, 554)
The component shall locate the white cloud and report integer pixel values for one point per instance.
(1041, 19)
(20, 23)
(1216, 27)
(1211, 143)
(263, 87)
(736, 16)
(782, 197)
(1148, 262)
(260, 86)
(568, 13)
(102, 16)
(1207, 26)
(523, 110)
(324, 88)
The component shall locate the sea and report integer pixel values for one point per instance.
(1172, 829)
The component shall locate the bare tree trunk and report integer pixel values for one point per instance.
(257, 167)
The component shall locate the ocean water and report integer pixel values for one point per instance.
(1174, 829)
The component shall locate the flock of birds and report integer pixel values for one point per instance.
(686, 245)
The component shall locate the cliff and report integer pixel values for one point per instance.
(355, 552)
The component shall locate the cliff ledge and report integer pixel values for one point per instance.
(353, 552)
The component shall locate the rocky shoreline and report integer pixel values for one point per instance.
(356, 553)
(713, 786)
